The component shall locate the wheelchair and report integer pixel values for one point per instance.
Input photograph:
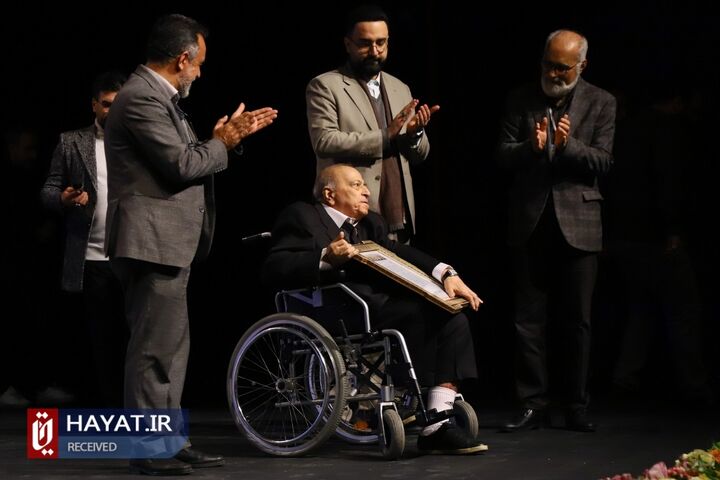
(293, 381)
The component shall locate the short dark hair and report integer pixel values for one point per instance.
(107, 82)
(364, 13)
(173, 34)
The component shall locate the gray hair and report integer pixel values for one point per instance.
(325, 179)
(582, 54)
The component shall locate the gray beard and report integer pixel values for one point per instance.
(557, 90)
(184, 90)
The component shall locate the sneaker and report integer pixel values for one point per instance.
(449, 440)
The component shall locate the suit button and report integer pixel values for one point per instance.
(202, 209)
(377, 178)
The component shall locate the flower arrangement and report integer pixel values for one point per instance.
(696, 465)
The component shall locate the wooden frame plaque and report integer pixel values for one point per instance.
(407, 274)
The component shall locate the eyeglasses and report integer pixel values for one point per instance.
(560, 68)
(364, 45)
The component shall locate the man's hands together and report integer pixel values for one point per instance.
(231, 131)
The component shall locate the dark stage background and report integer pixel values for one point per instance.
(463, 58)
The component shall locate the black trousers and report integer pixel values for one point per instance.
(440, 343)
(105, 322)
(552, 276)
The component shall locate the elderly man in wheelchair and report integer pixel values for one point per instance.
(292, 383)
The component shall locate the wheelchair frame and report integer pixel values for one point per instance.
(289, 382)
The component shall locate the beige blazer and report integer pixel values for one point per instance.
(343, 129)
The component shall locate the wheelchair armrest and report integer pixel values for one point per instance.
(313, 297)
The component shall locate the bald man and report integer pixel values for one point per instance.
(556, 141)
(310, 248)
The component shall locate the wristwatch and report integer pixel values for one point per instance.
(450, 272)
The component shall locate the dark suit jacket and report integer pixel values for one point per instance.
(160, 189)
(73, 162)
(299, 236)
(571, 178)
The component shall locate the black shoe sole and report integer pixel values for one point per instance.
(161, 473)
(214, 463)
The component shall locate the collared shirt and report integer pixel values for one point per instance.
(96, 241)
(339, 218)
(170, 90)
(374, 87)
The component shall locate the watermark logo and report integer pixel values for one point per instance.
(42, 428)
(105, 433)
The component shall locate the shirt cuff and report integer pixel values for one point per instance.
(323, 264)
(415, 142)
(439, 270)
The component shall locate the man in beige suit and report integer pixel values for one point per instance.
(362, 116)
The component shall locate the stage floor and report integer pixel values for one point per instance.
(629, 439)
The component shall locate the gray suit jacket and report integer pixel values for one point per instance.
(73, 163)
(160, 188)
(343, 129)
(571, 178)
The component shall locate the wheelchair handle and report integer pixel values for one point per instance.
(256, 237)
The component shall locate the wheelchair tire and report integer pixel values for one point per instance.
(269, 390)
(466, 418)
(392, 443)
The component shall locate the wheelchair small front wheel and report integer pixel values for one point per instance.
(392, 441)
(465, 418)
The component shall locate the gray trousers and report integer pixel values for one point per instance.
(156, 311)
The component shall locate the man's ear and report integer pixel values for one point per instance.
(583, 64)
(182, 60)
(329, 196)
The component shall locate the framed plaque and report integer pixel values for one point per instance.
(407, 274)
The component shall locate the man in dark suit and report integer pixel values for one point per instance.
(556, 141)
(76, 187)
(161, 215)
(310, 245)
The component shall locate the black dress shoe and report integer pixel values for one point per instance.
(527, 419)
(159, 466)
(577, 420)
(197, 459)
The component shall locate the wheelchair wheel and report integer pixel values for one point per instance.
(275, 403)
(392, 442)
(466, 418)
(350, 428)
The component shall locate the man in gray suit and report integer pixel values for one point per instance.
(161, 215)
(556, 141)
(362, 116)
(76, 187)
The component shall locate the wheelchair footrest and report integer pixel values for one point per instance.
(432, 416)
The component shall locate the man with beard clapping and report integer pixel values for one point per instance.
(362, 116)
(556, 141)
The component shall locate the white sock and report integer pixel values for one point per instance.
(442, 399)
